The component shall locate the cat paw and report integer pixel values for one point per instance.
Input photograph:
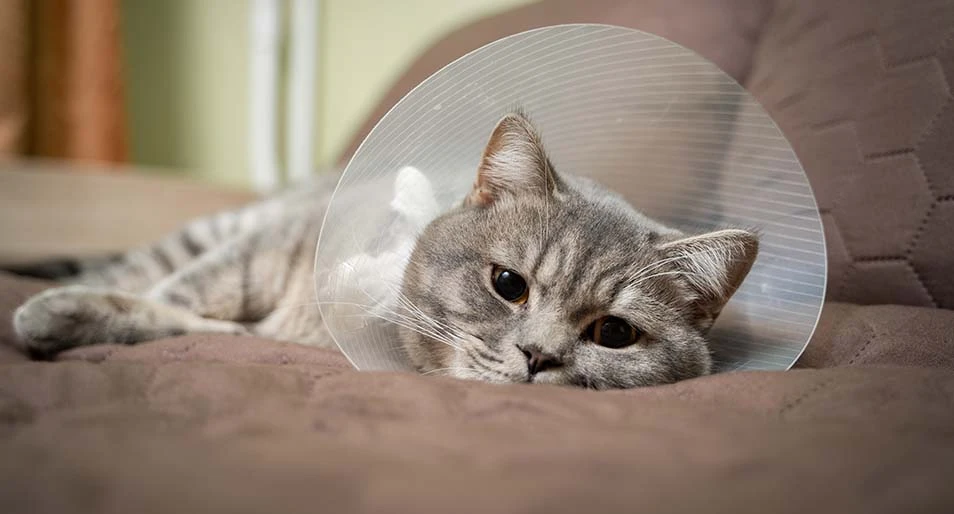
(67, 317)
(47, 323)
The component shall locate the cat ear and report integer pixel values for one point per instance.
(514, 164)
(714, 265)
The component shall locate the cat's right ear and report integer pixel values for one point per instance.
(713, 265)
(514, 163)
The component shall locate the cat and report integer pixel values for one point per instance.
(536, 276)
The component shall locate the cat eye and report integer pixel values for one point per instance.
(510, 285)
(612, 332)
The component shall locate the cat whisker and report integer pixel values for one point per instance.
(424, 331)
(414, 321)
(402, 321)
(451, 331)
(417, 311)
(416, 316)
(432, 325)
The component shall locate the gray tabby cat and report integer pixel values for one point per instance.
(535, 277)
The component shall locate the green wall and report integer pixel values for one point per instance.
(186, 67)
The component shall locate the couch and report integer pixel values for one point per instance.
(864, 423)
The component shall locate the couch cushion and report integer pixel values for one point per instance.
(853, 335)
(239, 424)
(170, 427)
(862, 88)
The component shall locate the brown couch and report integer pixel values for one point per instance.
(228, 424)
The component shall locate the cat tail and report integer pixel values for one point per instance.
(60, 268)
(138, 269)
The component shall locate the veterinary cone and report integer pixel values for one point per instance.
(657, 123)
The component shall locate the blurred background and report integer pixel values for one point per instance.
(230, 92)
(120, 120)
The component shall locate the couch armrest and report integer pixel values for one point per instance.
(49, 209)
(852, 335)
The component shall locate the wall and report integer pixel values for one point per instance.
(186, 71)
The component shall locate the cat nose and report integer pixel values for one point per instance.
(538, 361)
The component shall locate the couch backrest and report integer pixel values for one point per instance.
(862, 88)
(724, 31)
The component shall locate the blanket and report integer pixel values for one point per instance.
(233, 424)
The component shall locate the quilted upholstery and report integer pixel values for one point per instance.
(862, 88)
(230, 424)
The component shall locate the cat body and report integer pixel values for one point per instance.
(245, 271)
(534, 277)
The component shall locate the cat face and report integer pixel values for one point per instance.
(544, 278)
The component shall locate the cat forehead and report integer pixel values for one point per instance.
(572, 222)
(580, 249)
(596, 230)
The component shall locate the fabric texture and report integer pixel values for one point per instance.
(237, 424)
(13, 292)
(856, 335)
(862, 89)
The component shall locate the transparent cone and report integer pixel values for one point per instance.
(680, 139)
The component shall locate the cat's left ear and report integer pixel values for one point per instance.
(714, 265)
(514, 163)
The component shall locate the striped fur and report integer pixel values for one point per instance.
(242, 271)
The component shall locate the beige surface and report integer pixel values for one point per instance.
(48, 212)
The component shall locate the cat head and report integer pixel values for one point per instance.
(548, 278)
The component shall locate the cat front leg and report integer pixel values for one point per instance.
(63, 318)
